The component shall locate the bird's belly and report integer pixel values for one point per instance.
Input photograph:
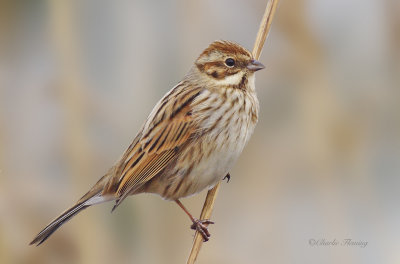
(212, 169)
(201, 166)
(212, 158)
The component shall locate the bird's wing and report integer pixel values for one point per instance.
(167, 129)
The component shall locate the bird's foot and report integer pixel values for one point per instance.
(201, 226)
(227, 177)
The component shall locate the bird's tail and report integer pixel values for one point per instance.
(92, 197)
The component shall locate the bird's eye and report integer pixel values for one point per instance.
(230, 62)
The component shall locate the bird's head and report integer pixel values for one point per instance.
(227, 63)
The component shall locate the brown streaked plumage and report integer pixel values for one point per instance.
(190, 140)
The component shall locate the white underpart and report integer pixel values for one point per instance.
(231, 79)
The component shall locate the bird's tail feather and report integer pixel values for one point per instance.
(57, 223)
(92, 197)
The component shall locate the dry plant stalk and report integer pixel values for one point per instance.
(208, 206)
(205, 214)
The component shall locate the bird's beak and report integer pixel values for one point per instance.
(255, 65)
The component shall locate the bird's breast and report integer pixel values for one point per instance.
(225, 125)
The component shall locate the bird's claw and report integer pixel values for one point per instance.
(201, 226)
(227, 177)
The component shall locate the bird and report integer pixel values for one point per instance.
(189, 142)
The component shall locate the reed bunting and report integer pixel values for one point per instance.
(190, 140)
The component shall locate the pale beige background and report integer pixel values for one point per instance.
(78, 78)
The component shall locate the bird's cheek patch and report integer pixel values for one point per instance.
(215, 71)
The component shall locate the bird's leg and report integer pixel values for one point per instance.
(227, 177)
(198, 225)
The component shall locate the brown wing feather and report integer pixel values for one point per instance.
(168, 128)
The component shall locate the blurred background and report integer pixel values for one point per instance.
(78, 78)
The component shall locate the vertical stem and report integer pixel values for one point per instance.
(264, 28)
(205, 214)
(208, 206)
